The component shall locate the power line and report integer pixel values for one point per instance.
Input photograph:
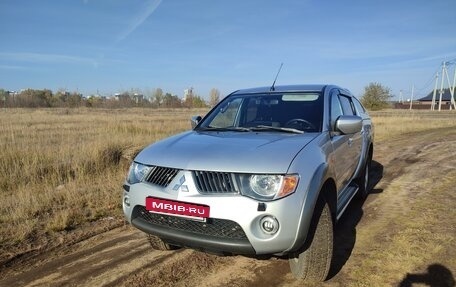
(428, 84)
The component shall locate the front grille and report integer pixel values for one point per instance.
(212, 227)
(214, 182)
(161, 176)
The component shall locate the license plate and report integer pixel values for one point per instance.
(180, 208)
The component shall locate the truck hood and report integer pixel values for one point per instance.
(240, 152)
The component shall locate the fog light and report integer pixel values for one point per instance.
(127, 201)
(269, 225)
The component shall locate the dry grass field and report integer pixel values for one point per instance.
(61, 168)
(61, 172)
(391, 123)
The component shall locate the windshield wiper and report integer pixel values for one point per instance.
(229, 129)
(278, 129)
(257, 128)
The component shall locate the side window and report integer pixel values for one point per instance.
(347, 105)
(336, 109)
(359, 107)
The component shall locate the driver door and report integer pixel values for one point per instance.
(347, 147)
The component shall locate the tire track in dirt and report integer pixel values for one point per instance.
(407, 173)
(112, 272)
(53, 260)
(97, 261)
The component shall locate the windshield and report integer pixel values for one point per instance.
(302, 112)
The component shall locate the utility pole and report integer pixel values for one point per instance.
(435, 91)
(441, 85)
(450, 87)
(452, 90)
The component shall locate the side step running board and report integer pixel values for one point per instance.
(345, 198)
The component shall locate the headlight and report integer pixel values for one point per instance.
(137, 172)
(265, 185)
(268, 187)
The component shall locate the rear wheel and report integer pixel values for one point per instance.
(158, 244)
(363, 180)
(313, 263)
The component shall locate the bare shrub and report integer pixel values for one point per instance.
(111, 155)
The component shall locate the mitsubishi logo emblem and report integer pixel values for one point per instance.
(181, 185)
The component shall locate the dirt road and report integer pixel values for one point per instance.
(404, 233)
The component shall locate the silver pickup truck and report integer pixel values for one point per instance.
(267, 172)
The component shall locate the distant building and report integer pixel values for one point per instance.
(425, 103)
(188, 93)
(138, 98)
(446, 98)
(121, 97)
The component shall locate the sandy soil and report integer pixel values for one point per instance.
(403, 169)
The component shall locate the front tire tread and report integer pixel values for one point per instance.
(313, 263)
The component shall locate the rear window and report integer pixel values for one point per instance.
(300, 97)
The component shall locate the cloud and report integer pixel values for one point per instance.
(151, 6)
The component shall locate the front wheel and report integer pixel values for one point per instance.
(313, 263)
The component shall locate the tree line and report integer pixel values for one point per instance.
(375, 97)
(33, 98)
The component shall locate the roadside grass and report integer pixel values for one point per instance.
(63, 168)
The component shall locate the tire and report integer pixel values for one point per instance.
(158, 244)
(363, 180)
(313, 263)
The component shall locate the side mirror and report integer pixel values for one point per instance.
(349, 124)
(195, 121)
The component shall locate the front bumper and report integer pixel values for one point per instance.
(235, 219)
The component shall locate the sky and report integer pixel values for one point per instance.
(109, 46)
